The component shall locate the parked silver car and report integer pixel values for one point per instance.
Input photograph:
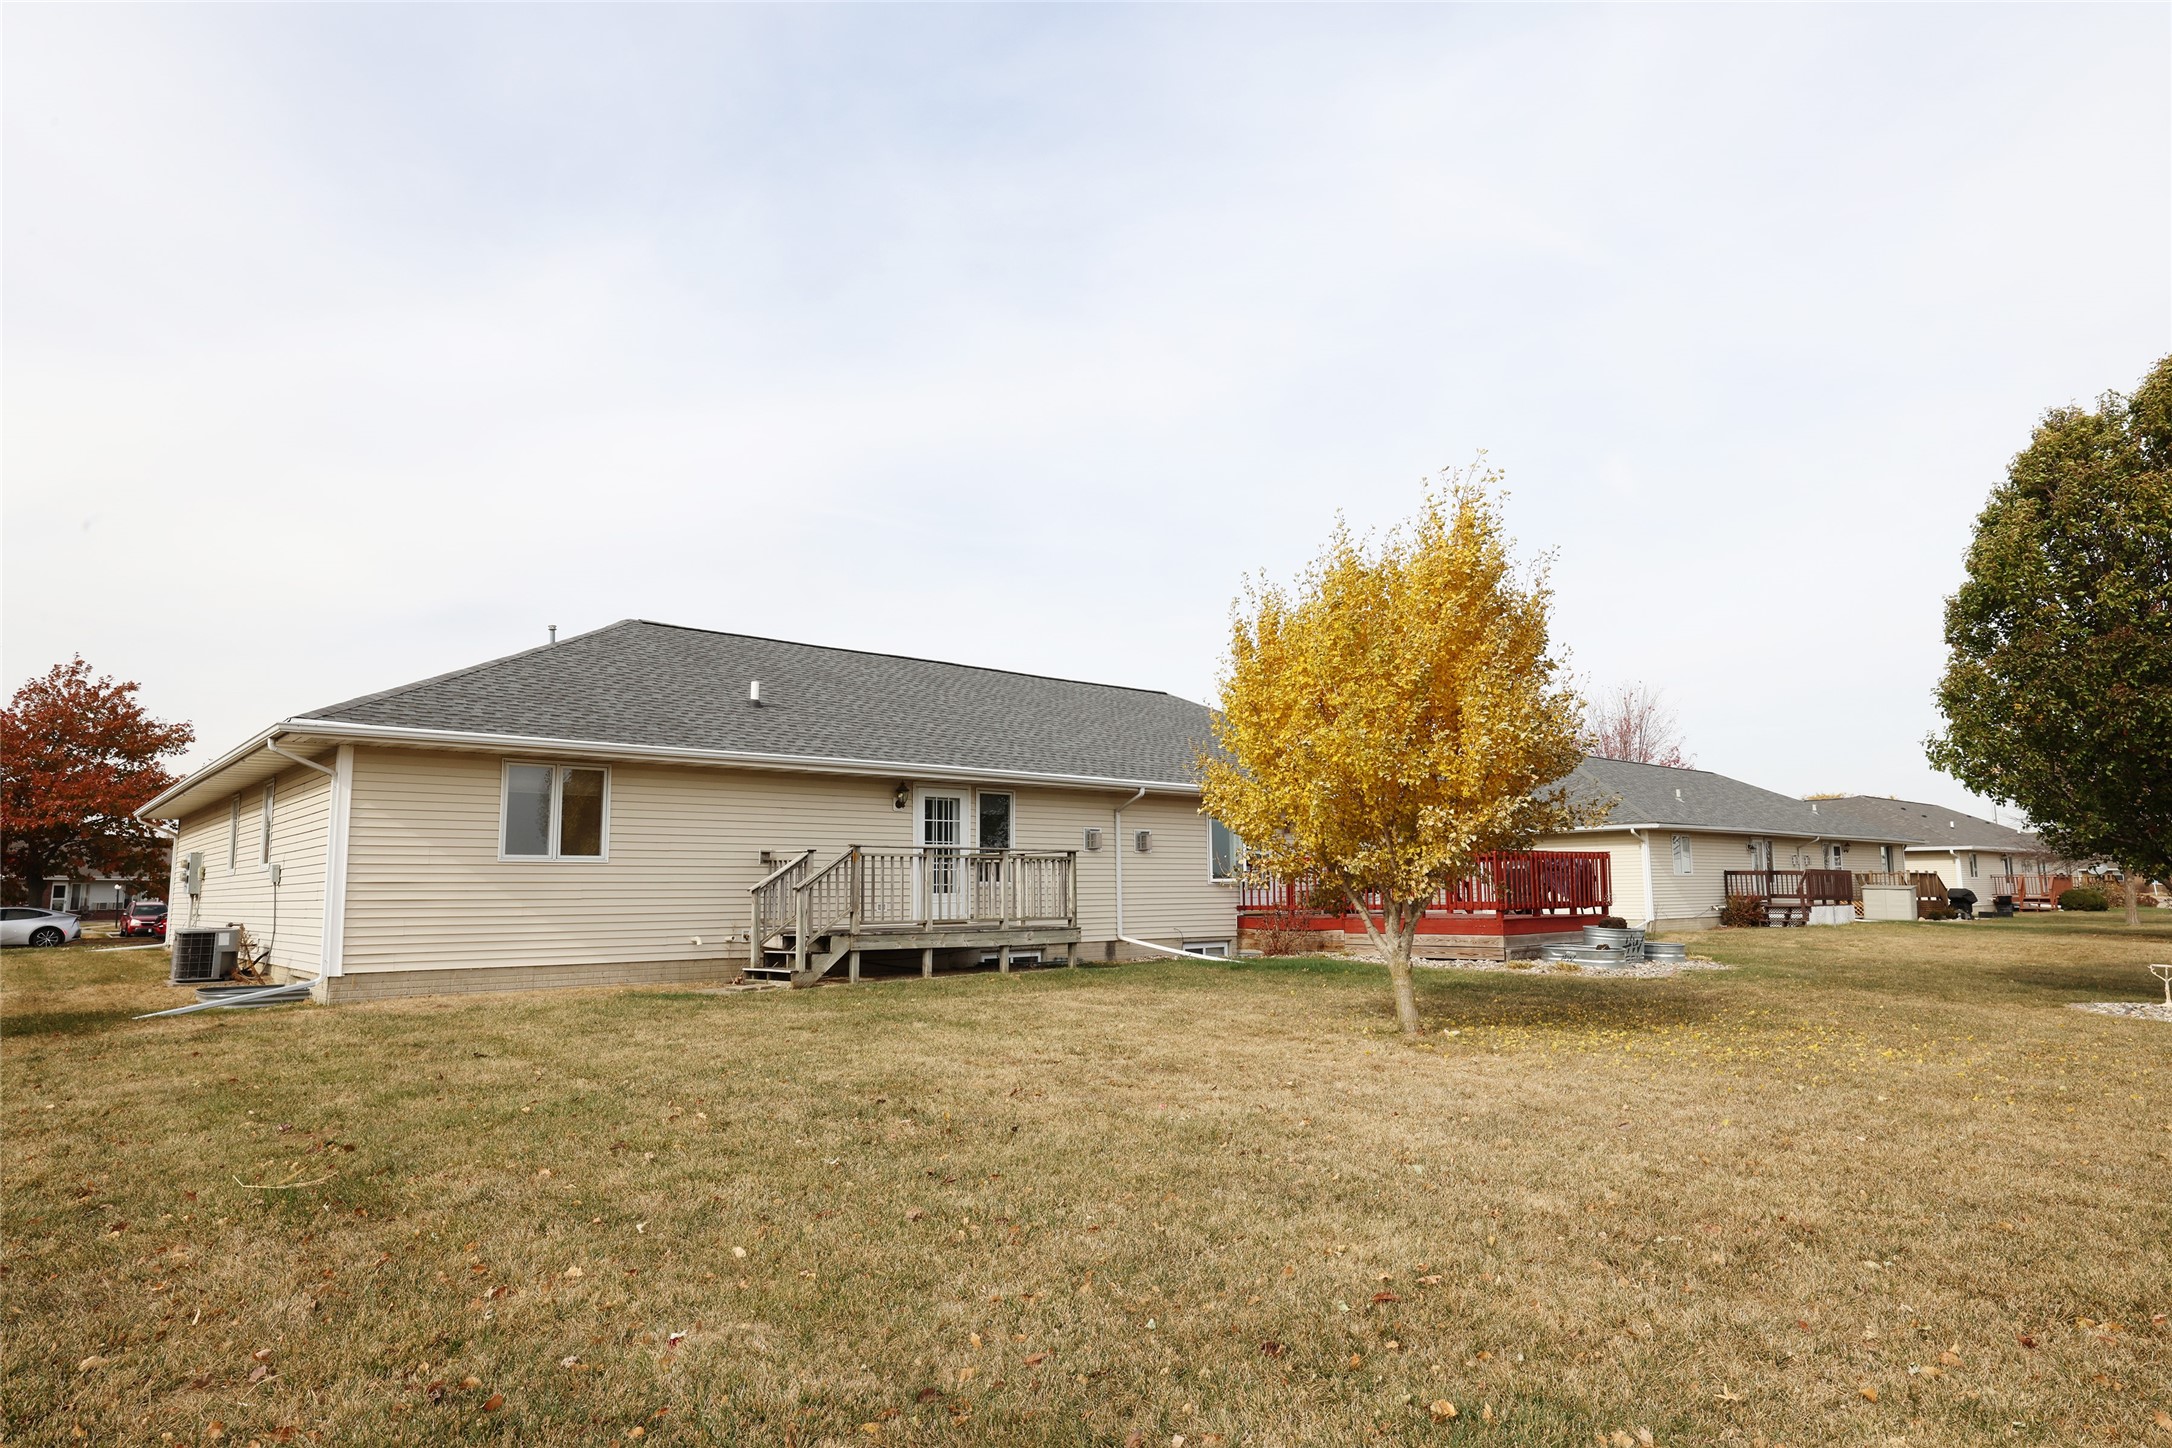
(21, 925)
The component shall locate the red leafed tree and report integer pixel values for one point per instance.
(78, 756)
(1634, 723)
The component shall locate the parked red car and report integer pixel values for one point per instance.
(145, 917)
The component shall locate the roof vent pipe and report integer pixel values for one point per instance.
(754, 692)
(554, 633)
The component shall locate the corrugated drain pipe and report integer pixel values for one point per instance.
(1123, 845)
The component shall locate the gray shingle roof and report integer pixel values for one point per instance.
(1930, 824)
(1653, 794)
(657, 685)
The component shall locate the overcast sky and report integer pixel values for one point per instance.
(344, 346)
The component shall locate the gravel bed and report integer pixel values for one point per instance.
(1642, 970)
(2133, 1010)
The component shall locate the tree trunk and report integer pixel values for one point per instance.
(2134, 898)
(1392, 937)
(1399, 969)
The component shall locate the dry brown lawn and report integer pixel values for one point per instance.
(1876, 1186)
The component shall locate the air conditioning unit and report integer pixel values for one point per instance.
(1093, 837)
(201, 956)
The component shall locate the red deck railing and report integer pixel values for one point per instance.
(1509, 883)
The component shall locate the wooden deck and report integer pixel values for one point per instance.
(1788, 896)
(805, 920)
(1509, 899)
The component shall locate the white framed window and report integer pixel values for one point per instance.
(1685, 858)
(554, 812)
(233, 834)
(995, 819)
(1225, 852)
(263, 842)
(1885, 858)
(1973, 869)
(1832, 857)
(1219, 949)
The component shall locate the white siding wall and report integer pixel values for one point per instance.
(1699, 895)
(241, 893)
(426, 888)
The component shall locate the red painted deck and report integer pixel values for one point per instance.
(1518, 892)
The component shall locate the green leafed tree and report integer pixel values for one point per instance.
(2058, 684)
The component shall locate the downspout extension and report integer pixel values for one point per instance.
(1120, 847)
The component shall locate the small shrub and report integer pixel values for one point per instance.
(2084, 897)
(1611, 922)
(1932, 911)
(1743, 910)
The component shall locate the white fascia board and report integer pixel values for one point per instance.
(795, 763)
(150, 809)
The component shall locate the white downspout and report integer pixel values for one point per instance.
(1121, 846)
(1651, 906)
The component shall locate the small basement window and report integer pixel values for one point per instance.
(1219, 949)
(555, 812)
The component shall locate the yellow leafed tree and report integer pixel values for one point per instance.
(1395, 715)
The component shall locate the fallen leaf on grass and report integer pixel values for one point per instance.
(1869, 1392)
(1442, 1410)
(2026, 1341)
(92, 1363)
(494, 1402)
(1035, 1359)
(262, 1354)
(1950, 1358)
(1270, 1349)
(1380, 1297)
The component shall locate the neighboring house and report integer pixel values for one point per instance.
(649, 803)
(93, 892)
(1677, 835)
(1964, 850)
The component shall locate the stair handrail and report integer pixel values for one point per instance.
(767, 922)
(823, 901)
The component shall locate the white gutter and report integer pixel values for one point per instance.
(1121, 846)
(798, 763)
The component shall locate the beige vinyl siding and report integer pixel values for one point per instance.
(243, 895)
(1169, 895)
(1625, 866)
(426, 888)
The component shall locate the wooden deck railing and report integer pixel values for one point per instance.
(2032, 892)
(1791, 887)
(1508, 883)
(917, 889)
